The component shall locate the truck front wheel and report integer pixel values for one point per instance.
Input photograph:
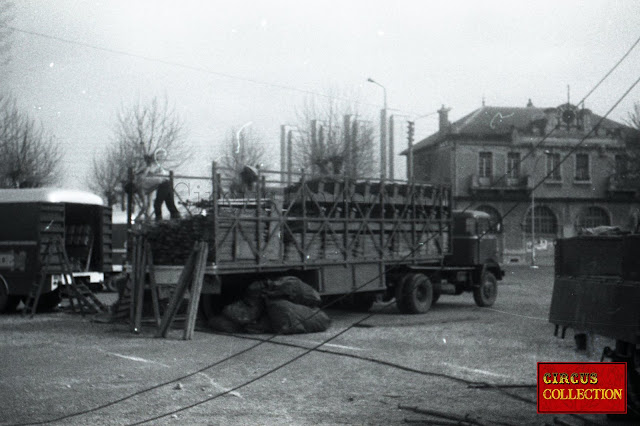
(486, 293)
(414, 294)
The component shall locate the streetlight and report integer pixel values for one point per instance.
(383, 136)
(533, 210)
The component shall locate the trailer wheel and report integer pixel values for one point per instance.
(486, 293)
(414, 294)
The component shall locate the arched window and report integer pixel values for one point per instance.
(545, 221)
(496, 220)
(593, 216)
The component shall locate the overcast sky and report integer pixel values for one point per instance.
(222, 64)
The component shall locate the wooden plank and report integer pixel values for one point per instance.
(140, 278)
(196, 288)
(181, 288)
(152, 284)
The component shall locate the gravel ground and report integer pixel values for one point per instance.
(59, 364)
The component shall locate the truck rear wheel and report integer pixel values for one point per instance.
(414, 294)
(486, 293)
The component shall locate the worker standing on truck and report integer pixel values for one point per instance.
(149, 179)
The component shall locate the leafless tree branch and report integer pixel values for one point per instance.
(140, 130)
(29, 156)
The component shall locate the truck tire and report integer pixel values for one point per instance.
(486, 293)
(414, 294)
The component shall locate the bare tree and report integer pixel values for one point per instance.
(327, 129)
(142, 130)
(29, 156)
(108, 176)
(242, 149)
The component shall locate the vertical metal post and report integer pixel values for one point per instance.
(283, 150)
(410, 160)
(533, 228)
(354, 144)
(347, 166)
(289, 157)
(346, 194)
(214, 210)
(259, 232)
(391, 149)
(303, 191)
(383, 142)
(129, 213)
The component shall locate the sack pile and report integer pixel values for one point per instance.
(286, 305)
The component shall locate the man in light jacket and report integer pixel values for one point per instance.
(148, 179)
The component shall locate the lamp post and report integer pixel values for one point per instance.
(383, 136)
(533, 210)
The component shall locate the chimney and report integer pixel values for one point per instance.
(444, 119)
(587, 120)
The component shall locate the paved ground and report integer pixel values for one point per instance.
(59, 364)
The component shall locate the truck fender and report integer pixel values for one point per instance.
(489, 265)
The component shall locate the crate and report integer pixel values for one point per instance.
(607, 306)
(583, 256)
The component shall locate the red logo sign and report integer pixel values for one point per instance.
(582, 387)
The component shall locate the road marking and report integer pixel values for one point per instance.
(333, 345)
(133, 358)
(545, 319)
(475, 370)
(220, 388)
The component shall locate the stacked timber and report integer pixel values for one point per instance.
(172, 240)
(236, 237)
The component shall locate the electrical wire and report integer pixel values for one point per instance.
(548, 134)
(316, 347)
(571, 151)
(355, 323)
(313, 349)
(192, 67)
(275, 335)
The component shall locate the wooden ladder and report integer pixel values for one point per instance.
(56, 261)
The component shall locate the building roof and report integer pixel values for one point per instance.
(490, 121)
(49, 195)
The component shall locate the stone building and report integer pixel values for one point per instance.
(494, 161)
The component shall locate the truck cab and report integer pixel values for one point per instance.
(475, 241)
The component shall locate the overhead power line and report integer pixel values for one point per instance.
(190, 67)
(267, 340)
(355, 324)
